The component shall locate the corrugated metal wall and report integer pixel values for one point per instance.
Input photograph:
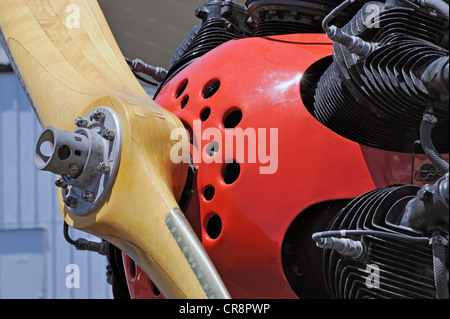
(29, 211)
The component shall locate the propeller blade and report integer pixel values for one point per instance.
(69, 63)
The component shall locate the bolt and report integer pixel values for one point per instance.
(201, 13)
(71, 202)
(81, 122)
(425, 194)
(108, 135)
(74, 169)
(98, 116)
(88, 196)
(104, 167)
(229, 27)
(60, 183)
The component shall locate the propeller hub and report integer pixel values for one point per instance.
(87, 159)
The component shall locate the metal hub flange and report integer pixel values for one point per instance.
(87, 159)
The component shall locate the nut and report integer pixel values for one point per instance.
(71, 202)
(60, 183)
(108, 134)
(104, 167)
(88, 196)
(81, 122)
(98, 116)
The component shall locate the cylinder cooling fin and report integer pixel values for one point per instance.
(404, 268)
(221, 21)
(378, 100)
(397, 261)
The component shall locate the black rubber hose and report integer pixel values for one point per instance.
(334, 13)
(426, 127)
(66, 235)
(440, 271)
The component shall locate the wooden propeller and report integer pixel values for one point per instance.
(70, 67)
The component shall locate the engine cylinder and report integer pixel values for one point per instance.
(379, 100)
(404, 269)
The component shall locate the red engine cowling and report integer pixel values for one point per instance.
(262, 159)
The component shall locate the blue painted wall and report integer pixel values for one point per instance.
(33, 252)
